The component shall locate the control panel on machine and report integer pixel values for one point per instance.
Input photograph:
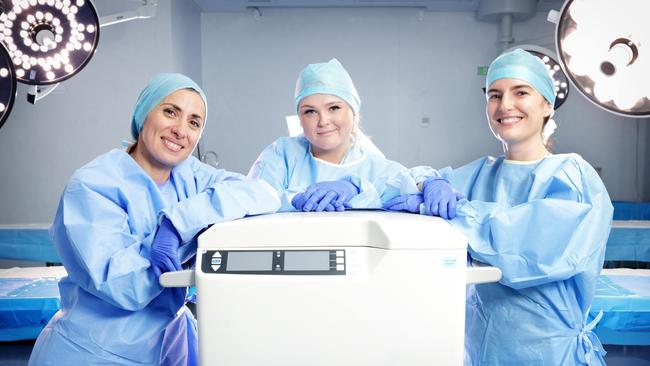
(275, 262)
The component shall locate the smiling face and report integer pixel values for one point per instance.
(516, 112)
(170, 133)
(327, 122)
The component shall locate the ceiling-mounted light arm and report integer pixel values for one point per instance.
(505, 12)
(38, 92)
(506, 31)
(146, 10)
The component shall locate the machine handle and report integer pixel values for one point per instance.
(184, 278)
(478, 275)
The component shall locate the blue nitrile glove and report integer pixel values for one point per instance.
(405, 202)
(299, 200)
(440, 198)
(164, 249)
(319, 196)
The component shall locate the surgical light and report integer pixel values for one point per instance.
(49, 40)
(7, 84)
(602, 47)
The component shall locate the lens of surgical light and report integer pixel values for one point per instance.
(7, 84)
(600, 46)
(51, 32)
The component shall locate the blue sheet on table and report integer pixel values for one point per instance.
(26, 305)
(625, 302)
(629, 243)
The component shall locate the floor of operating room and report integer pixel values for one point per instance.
(17, 354)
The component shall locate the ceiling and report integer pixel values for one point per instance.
(429, 5)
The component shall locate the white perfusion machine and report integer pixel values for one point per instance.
(354, 288)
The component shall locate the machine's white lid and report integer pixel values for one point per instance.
(377, 229)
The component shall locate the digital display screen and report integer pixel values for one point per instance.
(250, 261)
(313, 260)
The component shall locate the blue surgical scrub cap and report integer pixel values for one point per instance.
(327, 78)
(521, 65)
(158, 89)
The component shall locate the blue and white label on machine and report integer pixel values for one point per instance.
(449, 262)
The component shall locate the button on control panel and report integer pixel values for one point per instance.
(215, 261)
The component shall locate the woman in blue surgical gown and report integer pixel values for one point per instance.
(128, 216)
(543, 219)
(332, 165)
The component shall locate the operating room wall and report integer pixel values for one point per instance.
(186, 38)
(416, 73)
(41, 145)
(644, 138)
(409, 67)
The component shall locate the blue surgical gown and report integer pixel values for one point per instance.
(289, 166)
(545, 225)
(113, 311)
